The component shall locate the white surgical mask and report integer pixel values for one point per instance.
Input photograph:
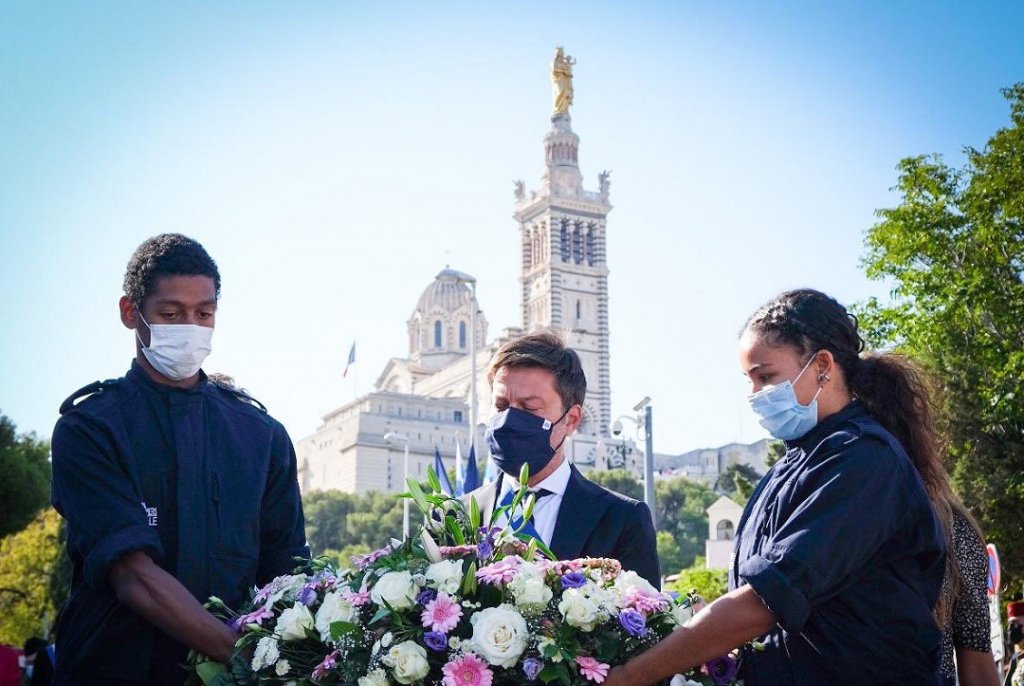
(177, 351)
(781, 413)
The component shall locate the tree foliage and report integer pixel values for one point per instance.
(25, 487)
(954, 250)
(680, 505)
(737, 481)
(342, 524)
(28, 562)
(709, 583)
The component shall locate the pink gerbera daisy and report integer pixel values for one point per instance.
(468, 670)
(441, 614)
(499, 573)
(592, 669)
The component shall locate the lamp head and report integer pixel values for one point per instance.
(617, 428)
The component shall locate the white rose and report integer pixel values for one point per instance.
(266, 653)
(293, 622)
(445, 576)
(333, 609)
(579, 610)
(629, 580)
(499, 635)
(282, 667)
(408, 661)
(682, 614)
(375, 678)
(529, 588)
(396, 589)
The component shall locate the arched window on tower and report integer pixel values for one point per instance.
(577, 244)
(725, 530)
(437, 333)
(462, 335)
(591, 241)
(565, 241)
(578, 308)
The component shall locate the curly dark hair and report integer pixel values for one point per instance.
(896, 392)
(169, 254)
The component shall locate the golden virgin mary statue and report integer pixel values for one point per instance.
(561, 80)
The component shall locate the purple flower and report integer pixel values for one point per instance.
(574, 580)
(307, 596)
(484, 550)
(436, 641)
(532, 667)
(425, 596)
(722, 670)
(633, 622)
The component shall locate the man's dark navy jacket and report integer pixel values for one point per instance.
(596, 522)
(201, 480)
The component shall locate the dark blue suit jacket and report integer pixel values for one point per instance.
(595, 522)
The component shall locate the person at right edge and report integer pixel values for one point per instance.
(839, 557)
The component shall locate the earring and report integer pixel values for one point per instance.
(824, 377)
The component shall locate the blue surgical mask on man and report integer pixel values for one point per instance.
(781, 413)
(516, 437)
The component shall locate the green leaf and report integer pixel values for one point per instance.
(418, 497)
(208, 671)
(474, 513)
(435, 483)
(455, 530)
(339, 629)
(469, 580)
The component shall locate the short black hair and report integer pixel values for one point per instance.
(169, 254)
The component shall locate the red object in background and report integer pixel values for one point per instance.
(1015, 609)
(994, 570)
(10, 667)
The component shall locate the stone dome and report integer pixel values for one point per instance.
(440, 325)
(445, 293)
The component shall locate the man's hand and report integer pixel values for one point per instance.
(161, 600)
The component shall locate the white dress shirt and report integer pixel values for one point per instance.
(545, 512)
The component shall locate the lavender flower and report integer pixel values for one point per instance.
(722, 670)
(532, 667)
(633, 622)
(436, 641)
(307, 596)
(425, 596)
(484, 550)
(574, 580)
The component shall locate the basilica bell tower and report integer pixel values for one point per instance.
(565, 272)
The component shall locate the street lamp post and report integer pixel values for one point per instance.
(644, 421)
(389, 437)
(462, 277)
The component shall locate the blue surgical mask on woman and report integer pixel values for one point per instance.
(781, 413)
(516, 437)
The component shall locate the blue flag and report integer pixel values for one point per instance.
(351, 359)
(442, 473)
(472, 480)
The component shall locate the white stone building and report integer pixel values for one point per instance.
(723, 520)
(426, 395)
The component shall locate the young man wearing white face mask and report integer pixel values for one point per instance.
(174, 488)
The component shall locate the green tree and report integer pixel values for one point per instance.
(25, 487)
(669, 553)
(737, 481)
(349, 523)
(709, 583)
(953, 248)
(618, 480)
(681, 505)
(28, 562)
(776, 451)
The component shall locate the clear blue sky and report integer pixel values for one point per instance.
(333, 157)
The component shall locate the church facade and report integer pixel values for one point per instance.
(423, 400)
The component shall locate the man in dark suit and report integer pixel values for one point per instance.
(538, 387)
